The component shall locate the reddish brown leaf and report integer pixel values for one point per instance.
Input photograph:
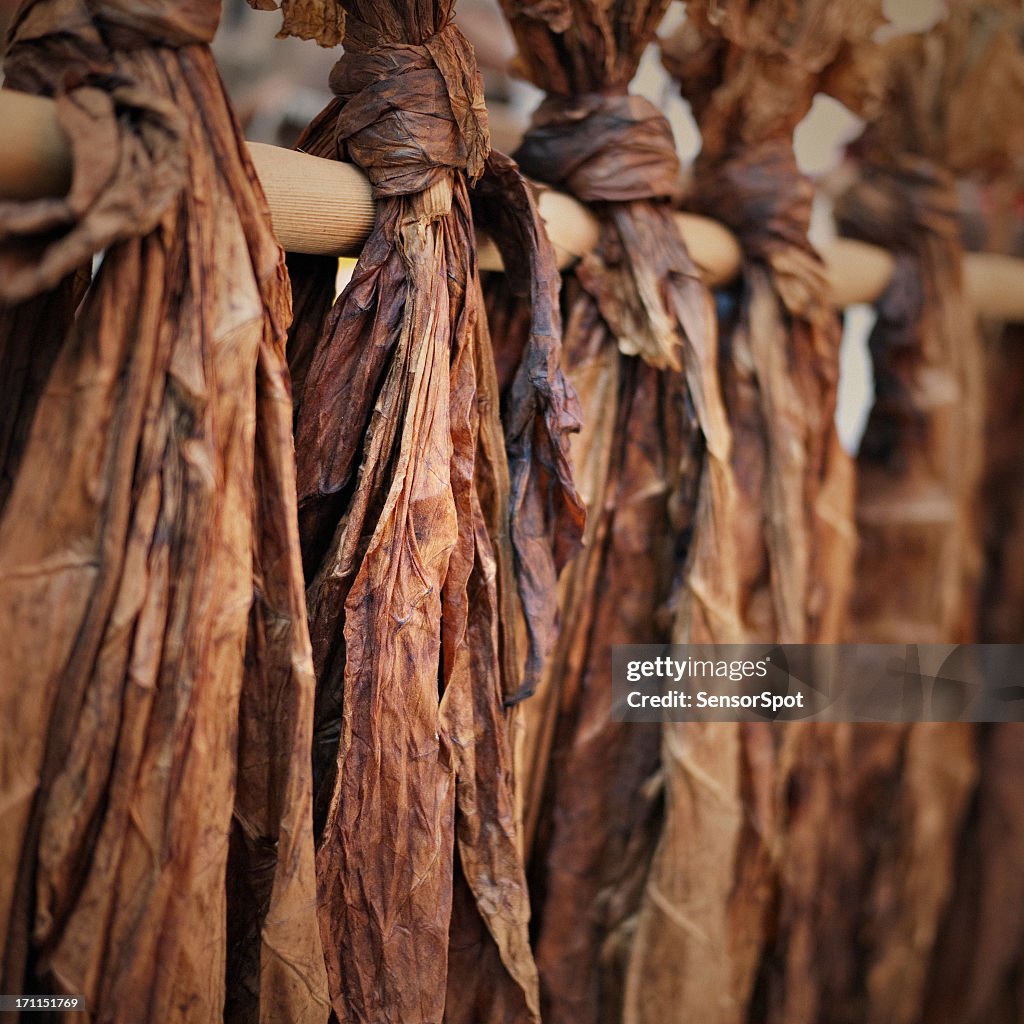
(652, 461)
(416, 540)
(731, 892)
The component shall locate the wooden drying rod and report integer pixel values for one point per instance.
(325, 207)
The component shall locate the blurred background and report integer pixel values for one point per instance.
(279, 85)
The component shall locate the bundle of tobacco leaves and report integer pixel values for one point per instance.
(920, 461)
(918, 488)
(975, 975)
(652, 462)
(729, 922)
(155, 671)
(750, 76)
(427, 550)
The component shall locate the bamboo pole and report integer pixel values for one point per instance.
(317, 206)
(325, 207)
(995, 285)
(35, 161)
(857, 272)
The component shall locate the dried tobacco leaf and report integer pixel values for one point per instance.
(307, 19)
(919, 467)
(726, 931)
(919, 477)
(975, 973)
(540, 410)
(155, 672)
(653, 461)
(417, 532)
(920, 464)
(750, 77)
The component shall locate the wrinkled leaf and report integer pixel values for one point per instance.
(422, 555)
(154, 671)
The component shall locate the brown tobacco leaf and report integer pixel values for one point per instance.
(919, 479)
(750, 77)
(726, 931)
(307, 19)
(652, 464)
(975, 974)
(155, 674)
(539, 408)
(919, 469)
(692, 954)
(415, 539)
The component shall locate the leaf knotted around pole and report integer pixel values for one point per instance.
(580, 144)
(156, 855)
(429, 545)
(653, 465)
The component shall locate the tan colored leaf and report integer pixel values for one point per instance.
(155, 671)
